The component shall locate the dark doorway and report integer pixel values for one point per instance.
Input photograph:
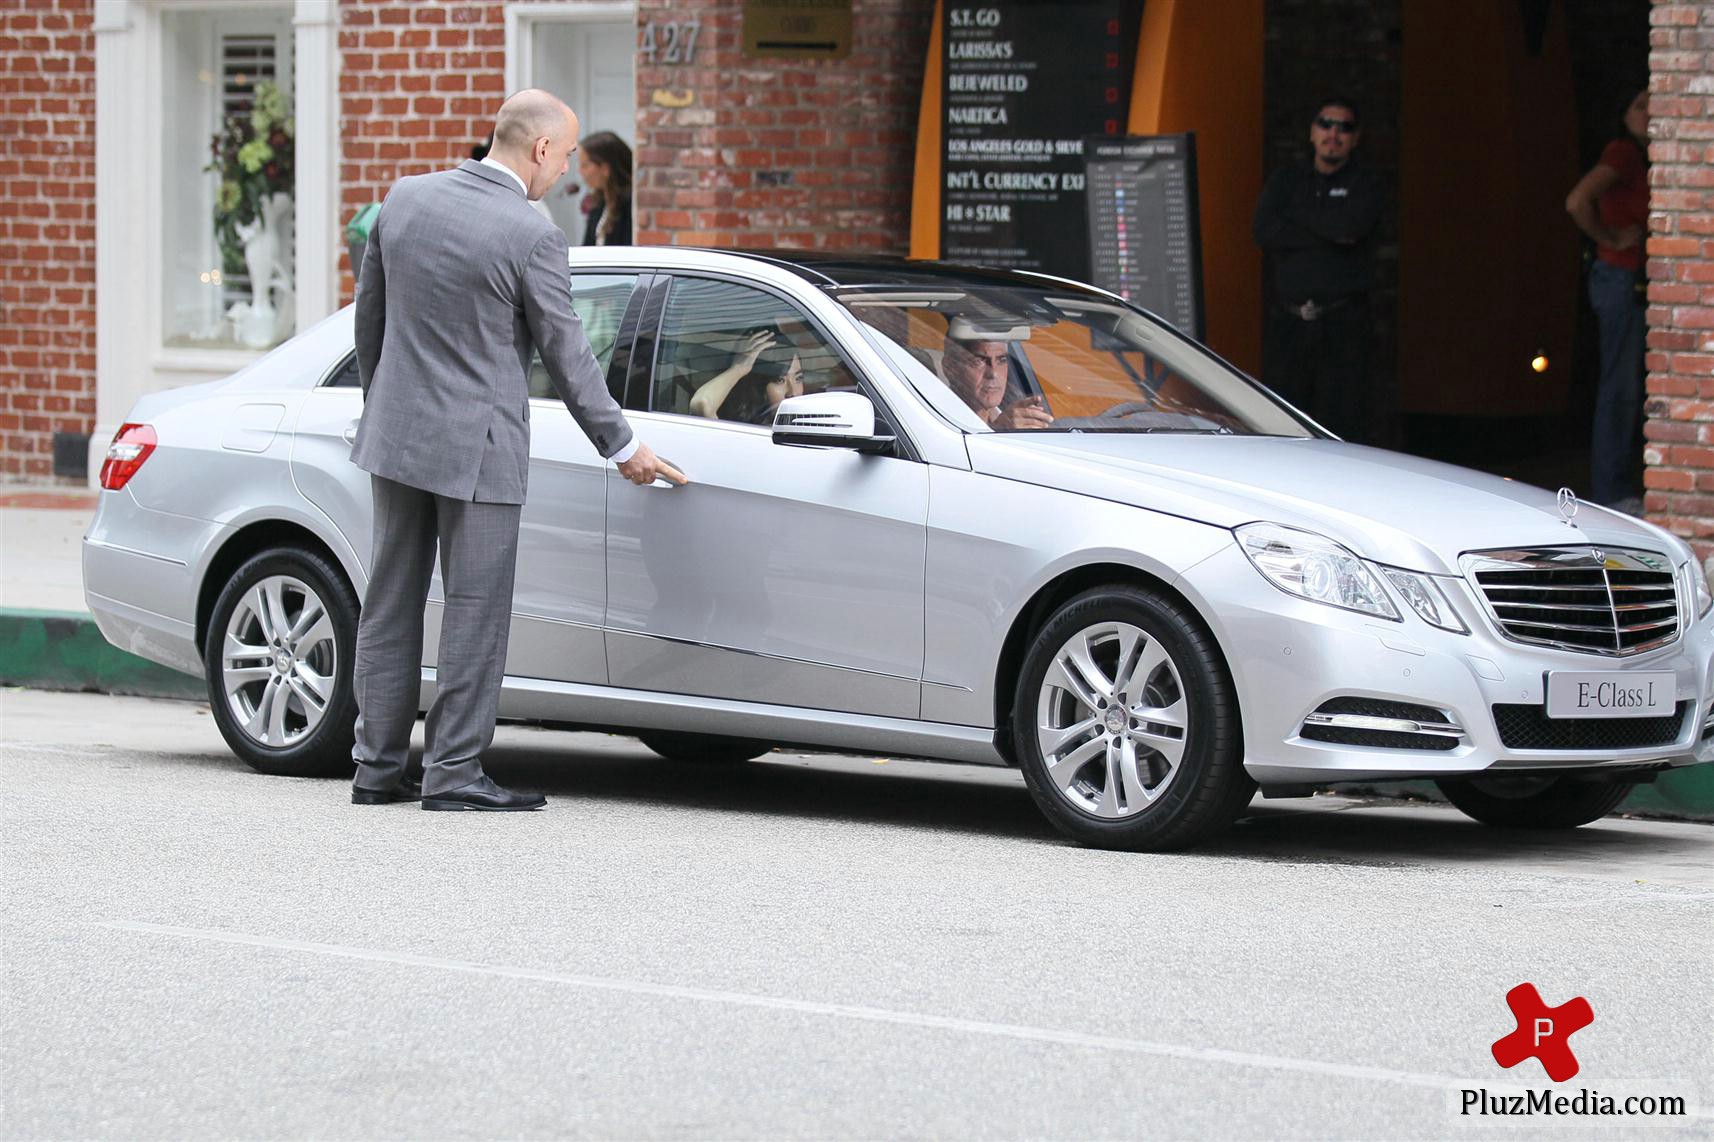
(1479, 118)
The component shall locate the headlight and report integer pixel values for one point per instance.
(1313, 567)
(1425, 598)
(1699, 587)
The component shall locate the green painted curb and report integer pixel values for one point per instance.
(1687, 792)
(63, 650)
(1684, 794)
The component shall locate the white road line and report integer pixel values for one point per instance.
(53, 747)
(845, 1011)
(1633, 898)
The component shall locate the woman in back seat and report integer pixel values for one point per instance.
(753, 385)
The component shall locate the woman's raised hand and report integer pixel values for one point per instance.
(758, 341)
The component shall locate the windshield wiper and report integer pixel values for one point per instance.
(1217, 430)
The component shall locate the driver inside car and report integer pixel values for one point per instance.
(976, 364)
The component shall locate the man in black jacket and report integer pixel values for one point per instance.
(1314, 221)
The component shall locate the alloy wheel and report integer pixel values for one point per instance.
(1111, 720)
(278, 661)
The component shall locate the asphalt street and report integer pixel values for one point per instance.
(797, 947)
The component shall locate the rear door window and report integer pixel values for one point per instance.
(601, 301)
(733, 352)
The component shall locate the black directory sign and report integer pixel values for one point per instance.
(1144, 239)
(1023, 84)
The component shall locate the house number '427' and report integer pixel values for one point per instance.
(675, 42)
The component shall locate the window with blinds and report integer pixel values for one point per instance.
(246, 60)
(213, 60)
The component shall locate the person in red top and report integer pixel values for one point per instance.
(1611, 205)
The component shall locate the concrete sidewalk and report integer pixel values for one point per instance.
(48, 641)
(41, 530)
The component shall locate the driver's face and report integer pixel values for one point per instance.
(977, 371)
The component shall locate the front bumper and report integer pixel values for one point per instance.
(1289, 656)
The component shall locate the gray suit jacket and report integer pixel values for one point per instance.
(462, 278)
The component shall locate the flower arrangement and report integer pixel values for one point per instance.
(254, 155)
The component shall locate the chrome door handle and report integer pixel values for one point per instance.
(662, 481)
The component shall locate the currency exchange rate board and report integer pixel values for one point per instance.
(1144, 239)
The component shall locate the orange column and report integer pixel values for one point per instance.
(1199, 68)
(925, 196)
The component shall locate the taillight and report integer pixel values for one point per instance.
(131, 446)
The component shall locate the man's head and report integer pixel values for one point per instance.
(977, 372)
(535, 134)
(1333, 133)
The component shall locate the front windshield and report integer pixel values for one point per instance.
(1024, 359)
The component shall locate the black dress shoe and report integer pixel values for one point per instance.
(485, 796)
(406, 790)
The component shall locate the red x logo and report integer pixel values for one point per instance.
(1543, 1032)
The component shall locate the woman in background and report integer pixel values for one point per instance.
(1611, 205)
(604, 165)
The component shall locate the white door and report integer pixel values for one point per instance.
(591, 65)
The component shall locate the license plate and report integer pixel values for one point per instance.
(1608, 694)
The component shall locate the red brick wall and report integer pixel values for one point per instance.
(1680, 429)
(768, 153)
(47, 231)
(419, 84)
(781, 152)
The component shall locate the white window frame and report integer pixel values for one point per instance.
(228, 21)
(131, 359)
(522, 18)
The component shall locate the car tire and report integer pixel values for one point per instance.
(1164, 772)
(1525, 802)
(676, 746)
(278, 653)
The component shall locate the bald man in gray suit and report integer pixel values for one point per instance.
(461, 280)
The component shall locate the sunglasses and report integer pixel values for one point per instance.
(1343, 126)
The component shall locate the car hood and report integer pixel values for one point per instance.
(1395, 509)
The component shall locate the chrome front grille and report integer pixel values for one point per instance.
(1590, 599)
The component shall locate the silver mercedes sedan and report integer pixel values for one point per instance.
(946, 513)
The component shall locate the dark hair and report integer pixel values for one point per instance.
(1337, 100)
(480, 150)
(771, 365)
(1622, 129)
(610, 150)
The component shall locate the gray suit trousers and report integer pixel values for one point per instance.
(478, 545)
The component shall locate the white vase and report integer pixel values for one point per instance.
(265, 242)
(280, 212)
(279, 217)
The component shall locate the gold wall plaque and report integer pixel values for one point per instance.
(797, 29)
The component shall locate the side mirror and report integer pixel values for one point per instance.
(830, 420)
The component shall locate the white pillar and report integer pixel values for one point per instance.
(121, 210)
(320, 230)
(129, 359)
